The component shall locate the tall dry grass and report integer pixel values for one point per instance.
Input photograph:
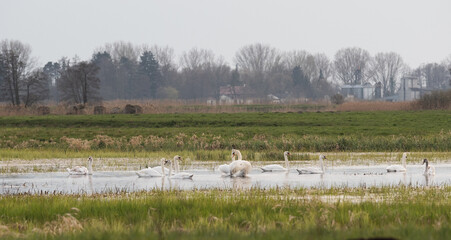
(170, 106)
(374, 106)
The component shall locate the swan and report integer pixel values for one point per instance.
(225, 168)
(277, 167)
(161, 169)
(151, 172)
(399, 168)
(429, 170)
(314, 170)
(178, 174)
(239, 168)
(80, 170)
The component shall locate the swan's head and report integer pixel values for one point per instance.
(234, 152)
(164, 161)
(177, 158)
(404, 155)
(425, 161)
(90, 159)
(322, 157)
(286, 153)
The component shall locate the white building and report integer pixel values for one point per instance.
(410, 89)
(365, 91)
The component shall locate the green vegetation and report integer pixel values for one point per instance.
(256, 132)
(401, 212)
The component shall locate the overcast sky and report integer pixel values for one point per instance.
(418, 30)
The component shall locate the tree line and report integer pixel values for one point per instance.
(122, 70)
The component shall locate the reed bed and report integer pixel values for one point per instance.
(169, 106)
(401, 212)
(259, 132)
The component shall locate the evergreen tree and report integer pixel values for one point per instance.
(150, 69)
(301, 82)
(52, 73)
(107, 74)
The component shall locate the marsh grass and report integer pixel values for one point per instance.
(401, 212)
(258, 132)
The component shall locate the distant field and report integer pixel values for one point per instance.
(258, 132)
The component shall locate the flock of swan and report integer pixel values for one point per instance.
(237, 168)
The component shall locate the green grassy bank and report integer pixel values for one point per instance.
(262, 132)
(401, 212)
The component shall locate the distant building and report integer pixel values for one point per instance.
(364, 92)
(232, 94)
(411, 89)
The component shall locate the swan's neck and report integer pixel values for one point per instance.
(404, 161)
(170, 169)
(90, 167)
(162, 167)
(240, 157)
(287, 164)
(321, 163)
(177, 167)
(426, 169)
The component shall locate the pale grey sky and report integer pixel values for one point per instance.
(418, 30)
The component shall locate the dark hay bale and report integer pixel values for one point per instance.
(43, 110)
(116, 110)
(76, 110)
(132, 109)
(99, 110)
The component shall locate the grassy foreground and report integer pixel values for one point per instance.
(257, 132)
(401, 212)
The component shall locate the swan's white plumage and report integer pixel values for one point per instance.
(399, 168)
(239, 168)
(313, 170)
(224, 168)
(161, 170)
(81, 170)
(277, 167)
(429, 169)
(152, 172)
(178, 174)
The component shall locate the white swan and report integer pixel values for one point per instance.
(178, 174)
(429, 169)
(239, 168)
(399, 168)
(161, 169)
(80, 170)
(225, 168)
(314, 170)
(277, 167)
(151, 172)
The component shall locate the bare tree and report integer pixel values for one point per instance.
(324, 67)
(387, 69)
(258, 58)
(352, 65)
(119, 50)
(261, 68)
(435, 75)
(304, 60)
(36, 88)
(15, 66)
(202, 73)
(197, 58)
(79, 83)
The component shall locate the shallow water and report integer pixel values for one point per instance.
(128, 181)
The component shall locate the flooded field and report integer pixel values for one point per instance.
(206, 176)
